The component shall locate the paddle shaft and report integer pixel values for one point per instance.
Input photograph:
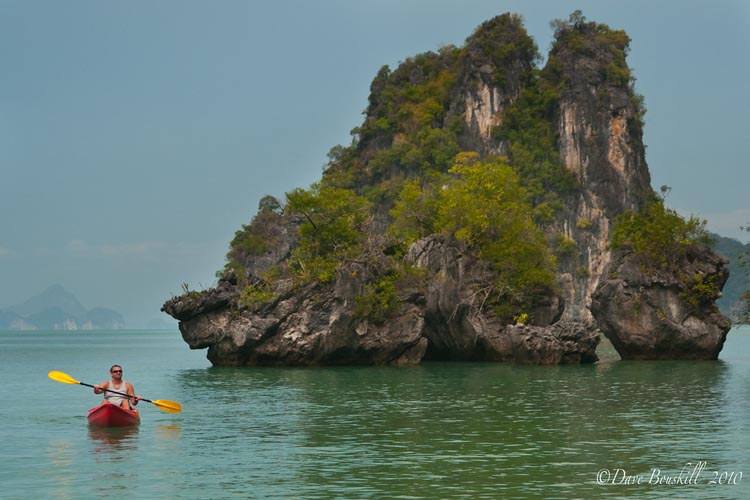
(115, 392)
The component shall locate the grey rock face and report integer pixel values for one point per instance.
(457, 324)
(312, 326)
(649, 314)
(562, 343)
(318, 324)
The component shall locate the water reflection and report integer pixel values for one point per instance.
(442, 429)
(61, 468)
(114, 440)
(115, 446)
(170, 432)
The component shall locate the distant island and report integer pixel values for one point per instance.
(58, 309)
(733, 296)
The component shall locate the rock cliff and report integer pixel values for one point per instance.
(648, 314)
(572, 130)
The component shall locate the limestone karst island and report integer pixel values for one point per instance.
(487, 209)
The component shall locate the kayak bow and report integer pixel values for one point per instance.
(109, 415)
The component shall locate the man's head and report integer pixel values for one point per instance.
(116, 371)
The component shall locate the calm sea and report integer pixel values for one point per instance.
(610, 430)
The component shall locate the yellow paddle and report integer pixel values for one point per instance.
(163, 404)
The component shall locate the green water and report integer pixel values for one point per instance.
(432, 431)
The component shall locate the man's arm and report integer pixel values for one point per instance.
(131, 393)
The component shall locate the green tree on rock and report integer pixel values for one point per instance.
(332, 224)
(484, 205)
(659, 236)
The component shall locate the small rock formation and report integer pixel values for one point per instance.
(313, 326)
(565, 342)
(649, 314)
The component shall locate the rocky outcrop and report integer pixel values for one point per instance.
(600, 142)
(319, 324)
(299, 329)
(652, 314)
(263, 316)
(457, 323)
(489, 85)
(565, 342)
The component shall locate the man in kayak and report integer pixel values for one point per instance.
(119, 385)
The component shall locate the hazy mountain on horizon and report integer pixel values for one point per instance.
(54, 296)
(737, 284)
(58, 309)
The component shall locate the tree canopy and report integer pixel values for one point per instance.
(483, 204)
(659, 235)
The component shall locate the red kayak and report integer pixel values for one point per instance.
(109, 415)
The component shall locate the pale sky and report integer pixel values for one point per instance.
(136, 137)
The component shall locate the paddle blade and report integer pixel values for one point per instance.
(62, 377)
(167, 406)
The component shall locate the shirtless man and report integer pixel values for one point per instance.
(117, 384)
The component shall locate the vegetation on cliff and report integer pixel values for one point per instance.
(484, 205)
(331, 229)
(659, 236)
(412, 127)
(662, 241)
